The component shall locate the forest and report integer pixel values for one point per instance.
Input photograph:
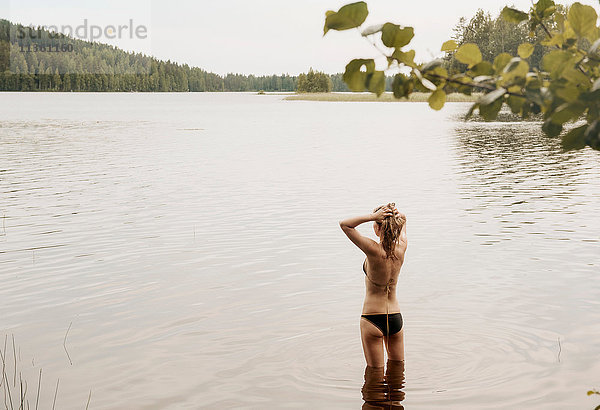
(27, 65)
(51, 62)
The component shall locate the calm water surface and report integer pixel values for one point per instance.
(183, 251)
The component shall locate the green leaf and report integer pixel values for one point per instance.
(513, 15)
(516, 68)
(533, 81)
(405, 57)
(501, 61)
(551, 129)
(567, 112)
(469, 114)
(515, 103)
(490, 112)
(556, 40)
(393, 35)
(575, 139)
(449, 46)
(536, 96)
(555, 62)
(525, 50)
(372, 30)
(437, 99)
(464, 79)
(376, 82)
(349, 16)
(576, 77)
(568, 93)
(582, 20)
(517, 64)
(354, 77)
(491, 97)
(482, 68)
(441, 71)
(468, 54)
(402, 86)
(432, 64)
(544, 8)
(512, 64)
(592, 138)
(438, 76)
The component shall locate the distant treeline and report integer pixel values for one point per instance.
(44, 63)
(48, 61)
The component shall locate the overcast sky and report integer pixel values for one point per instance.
(254, 36)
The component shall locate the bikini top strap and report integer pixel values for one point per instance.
(386, 286)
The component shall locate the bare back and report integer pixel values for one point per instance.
(381, 278)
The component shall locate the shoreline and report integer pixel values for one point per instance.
(369, 97)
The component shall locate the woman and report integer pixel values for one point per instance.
(381, 320)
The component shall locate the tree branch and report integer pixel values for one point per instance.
(474, 85)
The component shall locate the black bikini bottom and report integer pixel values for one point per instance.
(394, 320)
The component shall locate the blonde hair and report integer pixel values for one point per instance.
(391, 227)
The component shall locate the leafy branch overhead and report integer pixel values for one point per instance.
(564, 89)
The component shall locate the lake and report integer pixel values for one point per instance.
(183, 251)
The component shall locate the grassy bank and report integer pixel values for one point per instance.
(368, 97)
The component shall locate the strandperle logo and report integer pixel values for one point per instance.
(87, 32)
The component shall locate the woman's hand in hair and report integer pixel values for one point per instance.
(398, 214)
(382, 213)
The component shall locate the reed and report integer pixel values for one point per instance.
(14, 387)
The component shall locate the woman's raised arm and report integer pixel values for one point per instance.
(367, 245)
(403, 236)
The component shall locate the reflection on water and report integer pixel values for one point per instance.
(383, 388)
(517, 156)
(511, 175)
